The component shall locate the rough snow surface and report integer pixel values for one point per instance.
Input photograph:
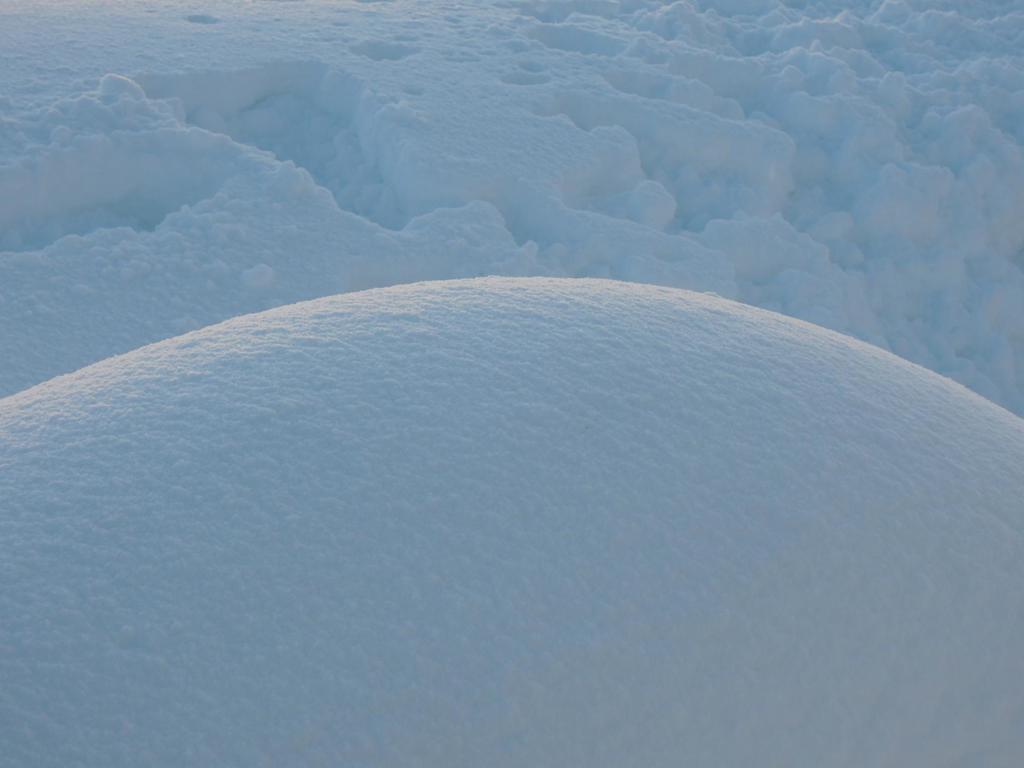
(857, 165)
(506, 523)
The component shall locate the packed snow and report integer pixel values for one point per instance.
(164, 166)
(510, 522)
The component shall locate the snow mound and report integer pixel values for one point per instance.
(511, 522)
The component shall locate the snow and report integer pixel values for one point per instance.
(856, 165)
(512, 383)
(511, 522)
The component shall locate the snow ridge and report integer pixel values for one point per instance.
(511, 522)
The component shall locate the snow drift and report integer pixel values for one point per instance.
(857, 165)
(511, 522)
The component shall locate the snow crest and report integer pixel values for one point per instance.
(511, 522)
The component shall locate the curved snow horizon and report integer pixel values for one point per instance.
(509, 522)
(506, 383)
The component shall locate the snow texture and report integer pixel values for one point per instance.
(857, 165)
(510, 522)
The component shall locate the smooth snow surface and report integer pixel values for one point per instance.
(511, 523)
(164, 166)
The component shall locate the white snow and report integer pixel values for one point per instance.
(857, 165)
(252, 513)
(511, 522)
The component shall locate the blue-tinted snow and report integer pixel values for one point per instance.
(509, 523)
(857, 165)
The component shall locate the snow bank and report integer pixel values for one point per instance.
(511, 522)
(858, 165)
(132, 218)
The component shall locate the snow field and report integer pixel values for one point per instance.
(855, 166)
(252, 513)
